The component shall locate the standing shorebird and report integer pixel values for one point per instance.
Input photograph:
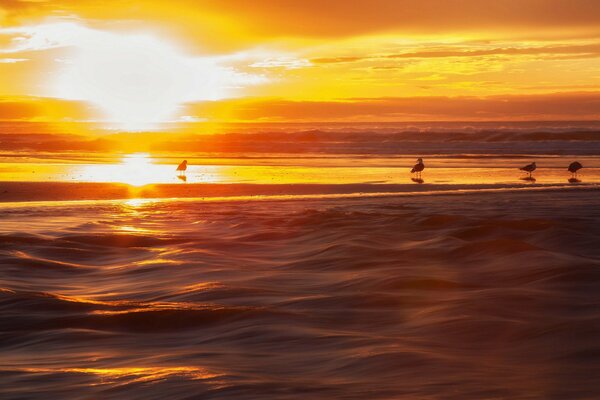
(418, 168)
(529, 168)
(182, 167)
(574, 167)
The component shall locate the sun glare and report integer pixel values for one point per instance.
(135, 81)
(137, 169)
(134, 169)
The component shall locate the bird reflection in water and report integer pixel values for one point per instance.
(574, 180)
(529, 179)
(529, 169)
(182, 178)
(417, 180)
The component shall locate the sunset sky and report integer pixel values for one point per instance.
(137, 63)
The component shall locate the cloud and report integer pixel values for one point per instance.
(282, 62)
(336, 18)
(303, 50)
(12, 60)
(27, 108)
(559, 106)
(465, 52)
(562, 51)
(337, 60)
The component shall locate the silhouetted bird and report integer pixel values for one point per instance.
(574, 167)
(418, 168)
(182, 167)
(529, 168)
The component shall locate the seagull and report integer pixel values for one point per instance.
(182, 167)
(419, 166)
(529, 168)
(574, 167)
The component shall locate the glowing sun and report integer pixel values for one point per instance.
(135, 80)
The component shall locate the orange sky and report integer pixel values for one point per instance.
(135, 63)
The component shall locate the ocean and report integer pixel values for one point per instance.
(326, 274)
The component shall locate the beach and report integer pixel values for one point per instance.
(84, 176)
(299, 200)
(328, 271)
(459, 296)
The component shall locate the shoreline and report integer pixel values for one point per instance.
(12, 193)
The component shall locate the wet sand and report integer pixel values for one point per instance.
(64, 191)
(142, 176)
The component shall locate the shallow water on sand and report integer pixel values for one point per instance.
(472, 296)
(144, 169)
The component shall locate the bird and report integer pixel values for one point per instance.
(182, 167)
(574, 167)
(418, 168)
(529, 168)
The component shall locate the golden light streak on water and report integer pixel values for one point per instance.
(131, 374)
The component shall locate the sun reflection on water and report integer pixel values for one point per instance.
(134, 374)
(135, 169)
(140, 169)
(138, 202)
